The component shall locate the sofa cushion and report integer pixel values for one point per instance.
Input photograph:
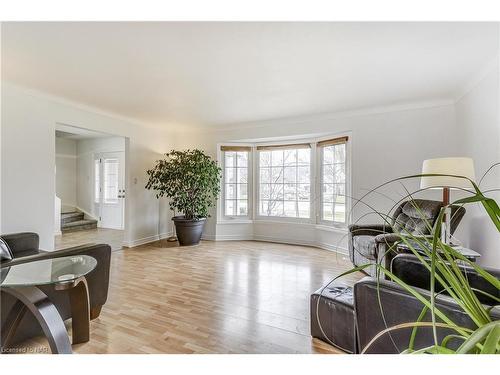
(366, 246)
(422, 209)
(5, 253)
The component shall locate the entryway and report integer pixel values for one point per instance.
(90, 187)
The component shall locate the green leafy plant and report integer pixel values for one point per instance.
(444, 264)
(190, 178)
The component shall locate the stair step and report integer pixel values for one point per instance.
(68, 217)
(79, 225)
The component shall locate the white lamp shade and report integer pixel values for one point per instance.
(449, 166)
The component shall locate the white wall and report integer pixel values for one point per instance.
(28, 159)
(385, 143)
(86, 148)
(478, 124)
(66, 173)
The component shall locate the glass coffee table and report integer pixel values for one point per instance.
(22, 281)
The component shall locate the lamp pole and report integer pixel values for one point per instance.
(445, 229)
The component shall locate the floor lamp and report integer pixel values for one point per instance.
(450, 167)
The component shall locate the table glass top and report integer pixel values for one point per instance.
(47, 271)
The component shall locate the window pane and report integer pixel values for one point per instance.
(290, 192)
(333, 183)
(265, 191)
(242, 208)
(303, 173)
(230, 175)
(328, 211)
(303, 156)
(290, 157)
(111, 180)
(97, 182)
(286, 191)
(303, 192)
(328, 155)
(242, 159)
(265, 159)
(276, 208)
(276, 191)
(236, 183)
(265, 175)
(230, 159)
(304, 209)
(290, 175)
(290, 209)
(230, 207)
(277, 175)
(230, 191)
(277, 158)
(242, 175)
(242, 191)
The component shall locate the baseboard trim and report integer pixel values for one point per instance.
(228, 237)
(146, 240)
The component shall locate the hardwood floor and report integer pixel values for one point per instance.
(112, 237)
(217, 297)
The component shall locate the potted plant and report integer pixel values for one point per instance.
(191, 179)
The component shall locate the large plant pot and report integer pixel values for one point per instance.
(188, 231)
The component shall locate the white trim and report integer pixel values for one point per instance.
(320, 245)
(366, 111)
(342, 230)
(208, 237)
(235, 221)
(145, 240)
(84, 107)
(66, 156)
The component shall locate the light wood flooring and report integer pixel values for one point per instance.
(112, 237)
(217, 297)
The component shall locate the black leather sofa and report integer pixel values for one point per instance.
(373, 305)
(24, 248)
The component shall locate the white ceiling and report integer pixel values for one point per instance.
(207, 74)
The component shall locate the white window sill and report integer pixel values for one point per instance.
(328, 228)
(234, 221)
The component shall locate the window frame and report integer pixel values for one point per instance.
(258, 217)
(348, 173)
(222, 202)
(316, 182)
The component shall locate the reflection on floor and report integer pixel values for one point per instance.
(218, 297)
(112, 237)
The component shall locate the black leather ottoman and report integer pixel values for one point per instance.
(335, 312)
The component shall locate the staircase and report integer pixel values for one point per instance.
(74, 221)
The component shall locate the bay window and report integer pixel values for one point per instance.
(300, 181)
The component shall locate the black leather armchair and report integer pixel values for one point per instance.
(24, 247)
(381, 304)
(374, 243)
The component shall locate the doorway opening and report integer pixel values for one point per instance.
(90, 187)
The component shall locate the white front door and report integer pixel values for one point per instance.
(109, 189)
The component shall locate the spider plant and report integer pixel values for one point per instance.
(446, 266)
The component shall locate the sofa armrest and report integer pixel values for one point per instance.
(22, 244)
(369, 229)
(387, 238)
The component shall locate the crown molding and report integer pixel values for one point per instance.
(84, 107)
(367, 111)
